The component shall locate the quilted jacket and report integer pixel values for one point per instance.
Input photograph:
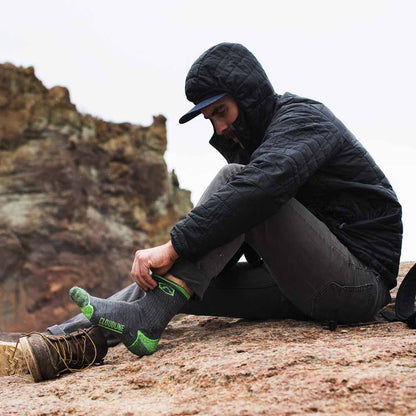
(293, 147)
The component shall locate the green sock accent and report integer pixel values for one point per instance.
(111, 325)
(143, 345)
(88, 311)
(82, 298)
(166, 290)
(79, 296)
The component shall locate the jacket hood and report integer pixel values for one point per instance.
(233, 69)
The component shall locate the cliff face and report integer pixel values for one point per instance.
(77, 197)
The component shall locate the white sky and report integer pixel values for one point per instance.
(127, 61)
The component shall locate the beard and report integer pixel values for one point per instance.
(230, 135)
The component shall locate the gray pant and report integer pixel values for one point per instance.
(308, 273)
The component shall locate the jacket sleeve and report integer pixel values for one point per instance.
(286, 159)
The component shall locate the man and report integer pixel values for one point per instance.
(317, 219)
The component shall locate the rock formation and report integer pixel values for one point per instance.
(78, 196)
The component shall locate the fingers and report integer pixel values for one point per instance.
(141, 271)
(145, 279)
(160, 259)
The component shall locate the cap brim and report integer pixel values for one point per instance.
(193, 112)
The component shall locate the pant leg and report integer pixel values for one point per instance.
(315, 270)
(244, 291)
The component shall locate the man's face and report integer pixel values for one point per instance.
(222, 114)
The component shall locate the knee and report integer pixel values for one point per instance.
(227, 172)
(225, 175)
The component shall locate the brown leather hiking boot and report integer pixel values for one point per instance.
(47, 356)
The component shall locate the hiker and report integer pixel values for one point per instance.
(316, 218)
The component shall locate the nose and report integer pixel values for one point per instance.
(220, 126)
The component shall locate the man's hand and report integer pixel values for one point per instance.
(158, 259)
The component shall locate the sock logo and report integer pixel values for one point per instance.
(167, 289)
(110, 325)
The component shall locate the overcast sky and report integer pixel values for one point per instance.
(127, 61)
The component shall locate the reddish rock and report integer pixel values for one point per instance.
(78, 196)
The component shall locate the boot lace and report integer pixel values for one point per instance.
(68, 348)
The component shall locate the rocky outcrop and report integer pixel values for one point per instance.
(78, 196)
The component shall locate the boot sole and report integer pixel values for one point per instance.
(12, 361)
(30, 359)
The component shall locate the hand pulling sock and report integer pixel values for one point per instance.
(139, 323)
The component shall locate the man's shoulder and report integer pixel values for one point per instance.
(299, 110)
(296, 105)
(290, 98)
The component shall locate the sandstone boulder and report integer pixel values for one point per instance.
(78, 196)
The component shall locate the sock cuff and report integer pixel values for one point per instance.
(173, 284)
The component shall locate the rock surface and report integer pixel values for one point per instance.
(78, 196)
(223, 366)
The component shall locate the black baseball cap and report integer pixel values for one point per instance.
(193, 112)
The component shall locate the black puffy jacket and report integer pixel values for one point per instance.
(293, 147)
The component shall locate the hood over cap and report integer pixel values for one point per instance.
(231, 68)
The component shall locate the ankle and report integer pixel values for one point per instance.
(179, 282)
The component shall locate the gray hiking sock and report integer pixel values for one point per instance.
(140, 323)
